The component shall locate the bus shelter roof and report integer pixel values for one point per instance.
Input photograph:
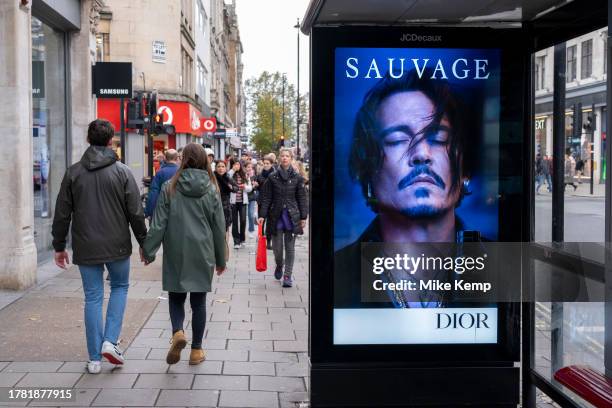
(441, 12)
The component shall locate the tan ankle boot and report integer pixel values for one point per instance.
(178, 344)
(197, 356)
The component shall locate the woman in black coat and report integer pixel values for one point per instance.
(284, 205)
(258, 184)
(226, 186)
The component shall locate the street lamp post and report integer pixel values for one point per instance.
(297, 120)
(284, 80)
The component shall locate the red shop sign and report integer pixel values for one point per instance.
(184, 116)
(209, 124)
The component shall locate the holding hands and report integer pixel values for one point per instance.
(143, 259)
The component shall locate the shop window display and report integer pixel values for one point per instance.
(48, 127)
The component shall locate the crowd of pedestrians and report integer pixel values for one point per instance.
(193, 201)
(573, 170)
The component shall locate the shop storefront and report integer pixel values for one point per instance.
(580, 145)
(540, 135)
(49, 127)
(183, 115)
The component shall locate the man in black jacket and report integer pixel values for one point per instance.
(100, 196)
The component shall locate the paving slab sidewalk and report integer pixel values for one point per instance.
(256, 341)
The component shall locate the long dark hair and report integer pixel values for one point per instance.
(366, 155)
(240, 172)
(194, 157)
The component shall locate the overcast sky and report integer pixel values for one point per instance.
(270, 40)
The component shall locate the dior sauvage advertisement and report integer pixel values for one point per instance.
(416, 138)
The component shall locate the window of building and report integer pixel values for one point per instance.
(186, 73)
(540, 72)
(570, 72)
(103, 47)
(586, 63)
(202, 18)
(49, 129)
(201, 86)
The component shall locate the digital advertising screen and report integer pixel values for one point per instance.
(416, 189)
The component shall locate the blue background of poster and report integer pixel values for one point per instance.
(479, 211)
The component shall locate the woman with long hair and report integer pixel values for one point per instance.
(252, 196)
(227, 186)
(189, 221)
(284, 206)
(239, 201)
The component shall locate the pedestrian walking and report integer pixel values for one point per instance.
(299, 167)
(539, 172)
(579, 170)
(189, 221)
(211, 157)
(165, 173)
(260, 180)
(239, 201)
(100, 196)
(226, 186)
(547, 172)
(570, 169)
(252, 197)
(284, 205)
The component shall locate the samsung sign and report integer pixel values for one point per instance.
(416, 326)
(112, 79)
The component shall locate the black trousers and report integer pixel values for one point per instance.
(176, 303)
(239, 223)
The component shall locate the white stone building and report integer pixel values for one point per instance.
(586, 72)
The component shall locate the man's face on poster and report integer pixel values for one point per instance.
(415, 178)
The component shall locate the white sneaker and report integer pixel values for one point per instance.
(112, 353)
(94, 367)
(236, 246)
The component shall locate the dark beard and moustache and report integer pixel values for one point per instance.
(423, 211)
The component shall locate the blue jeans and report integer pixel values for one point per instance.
(252, 216)
(93, 286)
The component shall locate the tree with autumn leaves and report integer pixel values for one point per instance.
(268, 121)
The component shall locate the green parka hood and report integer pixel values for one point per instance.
(194, 183)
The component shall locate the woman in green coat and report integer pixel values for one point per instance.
(189, 220)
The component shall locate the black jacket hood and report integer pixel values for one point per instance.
(98, 157)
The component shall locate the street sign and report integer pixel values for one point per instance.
(159, 51)
(112, 79)
(209, 124)
(219, 133)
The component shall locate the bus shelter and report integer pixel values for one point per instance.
(470, 125)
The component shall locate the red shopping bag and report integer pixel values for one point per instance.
(261, 259)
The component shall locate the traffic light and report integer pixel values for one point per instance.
(589, 125)
(282, 141)
(135, 117)
(158, 127)
(152, 104)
